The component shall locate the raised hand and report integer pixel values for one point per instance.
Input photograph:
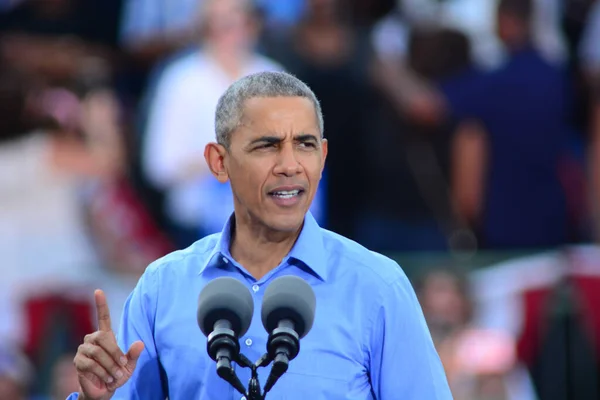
(101, 365)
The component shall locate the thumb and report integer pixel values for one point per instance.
(134, 354)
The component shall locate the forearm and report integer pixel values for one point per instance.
(411, 95)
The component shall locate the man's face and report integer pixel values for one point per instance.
(275, 161)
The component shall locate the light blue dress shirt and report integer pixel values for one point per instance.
(369, 339)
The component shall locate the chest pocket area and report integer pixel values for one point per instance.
(319, 375)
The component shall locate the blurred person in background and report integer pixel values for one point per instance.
(152, 31)
(16, 374)
(52, 144)
(512, 143)
(589, 62)
(332, 57)
(58, 39)
(413, 94)
(480, 364)
(181, 117)
(409, 206)
(476, 19)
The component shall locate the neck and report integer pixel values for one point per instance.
(258, 248)
(232, 62)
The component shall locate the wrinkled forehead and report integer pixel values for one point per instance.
(279, 116)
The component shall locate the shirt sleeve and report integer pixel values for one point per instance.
(403, 360)
(137, 323)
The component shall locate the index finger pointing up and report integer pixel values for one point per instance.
(102, 311)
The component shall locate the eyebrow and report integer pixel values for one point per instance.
(305, 137)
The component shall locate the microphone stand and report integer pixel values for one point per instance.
(254, 392)
(280, 366)
(283, 345)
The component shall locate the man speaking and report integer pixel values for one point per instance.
(368, 339)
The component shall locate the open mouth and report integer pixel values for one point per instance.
(286, 194)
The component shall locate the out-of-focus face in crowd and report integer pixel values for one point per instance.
(9, 389)
(229, 25)
(444, 301)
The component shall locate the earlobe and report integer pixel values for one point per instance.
(214, 154)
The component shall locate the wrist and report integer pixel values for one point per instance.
(82, 396)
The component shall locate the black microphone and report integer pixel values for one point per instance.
(288, 313)
(225, 309)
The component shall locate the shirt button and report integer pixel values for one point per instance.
(225, 260)
(248, 342)
(255, 288)
(243, 398)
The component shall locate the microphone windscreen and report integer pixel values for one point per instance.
(228, 299)
(289, 297)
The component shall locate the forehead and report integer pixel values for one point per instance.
(280, 115)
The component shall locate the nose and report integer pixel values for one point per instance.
(287, 163)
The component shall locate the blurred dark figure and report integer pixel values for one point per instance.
(513, 142)
(332, 58)
(408, 206)
(578, 23)
(58, 39)
(588, 63)
(594, 157)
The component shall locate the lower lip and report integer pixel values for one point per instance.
(287, 201)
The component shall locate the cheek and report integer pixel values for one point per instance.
(249, 179)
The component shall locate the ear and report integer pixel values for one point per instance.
(324, 150)
(214, 154)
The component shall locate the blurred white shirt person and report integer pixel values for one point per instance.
(181, 116)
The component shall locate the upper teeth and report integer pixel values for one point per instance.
(287, 193)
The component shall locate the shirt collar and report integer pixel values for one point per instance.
(308, 249)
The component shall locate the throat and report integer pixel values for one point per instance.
(260, 254)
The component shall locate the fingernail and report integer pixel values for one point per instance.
(109, 379)
(123, 360)
(118, 374)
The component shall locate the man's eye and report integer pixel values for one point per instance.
(265, 146)
(308, 145)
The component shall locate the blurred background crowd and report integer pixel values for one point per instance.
(464, 143)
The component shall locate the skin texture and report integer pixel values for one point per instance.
(278, 145)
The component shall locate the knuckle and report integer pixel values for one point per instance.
(104, 317)
(99, 371)
(95, 351)
(81, 364)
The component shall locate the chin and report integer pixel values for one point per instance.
(285, 222)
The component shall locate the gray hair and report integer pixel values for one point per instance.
(230, 107)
